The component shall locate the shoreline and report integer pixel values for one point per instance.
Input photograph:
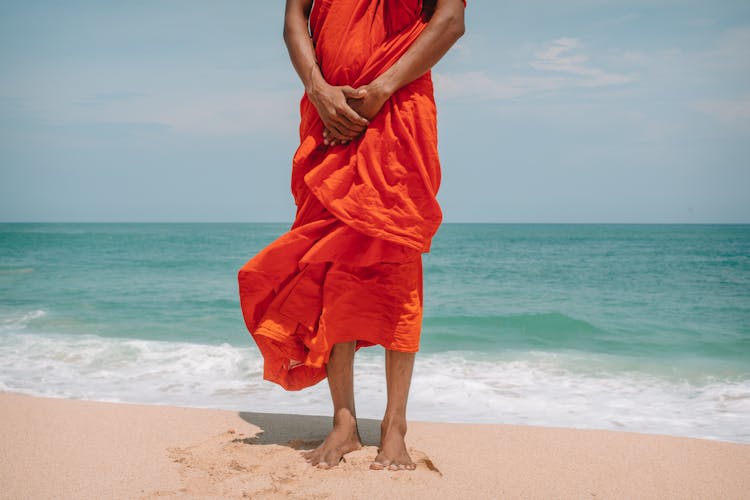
(366, 419)
(57, 447)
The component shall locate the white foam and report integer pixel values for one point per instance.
(17, 320)
(533, 388)
(540, 390)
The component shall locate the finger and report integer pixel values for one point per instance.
(331, 130)
(346, 114)
(352, 92)
(351, 130)
(353, 117)
(337, 133)
(346, 129)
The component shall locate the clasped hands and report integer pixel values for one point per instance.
(345, 111)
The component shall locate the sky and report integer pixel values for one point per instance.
(548, 111)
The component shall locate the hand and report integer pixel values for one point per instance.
(367, 103)
(340, 121)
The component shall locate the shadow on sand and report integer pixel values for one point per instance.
(301, 431)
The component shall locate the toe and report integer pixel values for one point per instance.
(331, 459)
(377, 465)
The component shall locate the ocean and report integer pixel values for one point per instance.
(626, 327)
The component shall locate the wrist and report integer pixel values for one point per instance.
(315, 83)
(383, 87)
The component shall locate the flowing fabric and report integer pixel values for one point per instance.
(350, 267)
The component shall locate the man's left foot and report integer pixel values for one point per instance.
(392, 454)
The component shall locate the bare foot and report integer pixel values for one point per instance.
(343, 438)
(392, 454)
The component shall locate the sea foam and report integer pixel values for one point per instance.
(560, 389)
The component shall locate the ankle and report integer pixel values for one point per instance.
(393, 423)
(344, 419)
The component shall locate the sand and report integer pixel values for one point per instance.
(60, 448)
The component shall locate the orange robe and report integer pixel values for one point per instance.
(350, 267)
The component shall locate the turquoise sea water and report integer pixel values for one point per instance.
(628, 327)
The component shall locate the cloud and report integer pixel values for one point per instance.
(218, 113)
(188, 111)
(728, 111)
(729, 54)
(477, 84)
(556, 66)
(103, 98)
(713, 79)
(724, 60)
(557, 57)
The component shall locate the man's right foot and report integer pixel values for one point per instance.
(343, 439)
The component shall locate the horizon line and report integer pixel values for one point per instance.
(443, 223)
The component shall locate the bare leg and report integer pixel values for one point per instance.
(345, 436)
(392, 453)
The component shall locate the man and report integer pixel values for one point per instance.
(348, 274)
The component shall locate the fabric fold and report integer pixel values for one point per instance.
(350, 267)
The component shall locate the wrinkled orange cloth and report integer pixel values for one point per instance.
(350, 267)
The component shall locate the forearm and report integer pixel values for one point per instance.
(443, 30)
(299, 44)
(330, 101)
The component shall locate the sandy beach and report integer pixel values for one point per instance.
(59, 448)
